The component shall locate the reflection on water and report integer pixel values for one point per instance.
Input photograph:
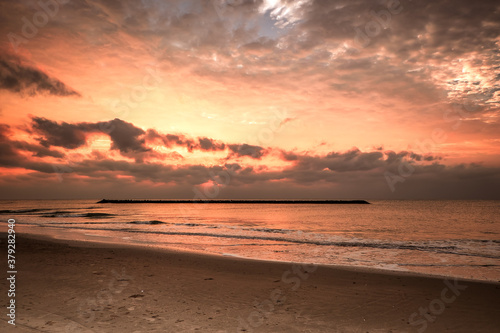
(458, 238)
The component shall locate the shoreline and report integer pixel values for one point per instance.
(118, 242)
(67, 286)
(142, 247)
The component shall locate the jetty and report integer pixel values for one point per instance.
(233, 201)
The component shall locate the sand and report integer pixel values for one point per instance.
(87, 287)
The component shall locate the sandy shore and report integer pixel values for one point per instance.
(85, 287)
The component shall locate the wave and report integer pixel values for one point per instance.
(153, 222)
(98, 215)
(23, 211)
(147, 222)
(51, 212)
(448, 249)
(59, 213)
(275, 231)
(78, 223)
(74, 214)
(192, 224)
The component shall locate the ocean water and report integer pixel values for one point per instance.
(449, 238)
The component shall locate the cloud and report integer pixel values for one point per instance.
(304, 57)
(393, 157)
(416, 44)
(247, 150)
(130, 140)
(351, 173)
(19, 78)
(170, 140)
(64, 135)
(11, 150)
(353, 160)
(125, 136)
(203, 144)
(8, 155)
(37, 150)
(210, 145)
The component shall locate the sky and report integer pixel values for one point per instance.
(313, 99)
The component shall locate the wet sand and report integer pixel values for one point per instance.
(86, 287)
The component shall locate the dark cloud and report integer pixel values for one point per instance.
(353, 160)
(130, 140)
(11, 150)
(210, 145)
(37, 150)
(289, 156)
(64, 135)
(125, 136)
(4, 131)
(9, 157)
(392, 157)
(134, 142)
(19, 78)
(352, 173)
(179, 140)
(404, 47)
(170, 140)
(247, 150)
(423, 175)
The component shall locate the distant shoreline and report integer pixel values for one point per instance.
(249, 201)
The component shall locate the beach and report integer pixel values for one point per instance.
(69, 286)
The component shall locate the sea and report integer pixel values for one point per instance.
(443, 238)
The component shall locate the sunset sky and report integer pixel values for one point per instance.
(250, 99)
